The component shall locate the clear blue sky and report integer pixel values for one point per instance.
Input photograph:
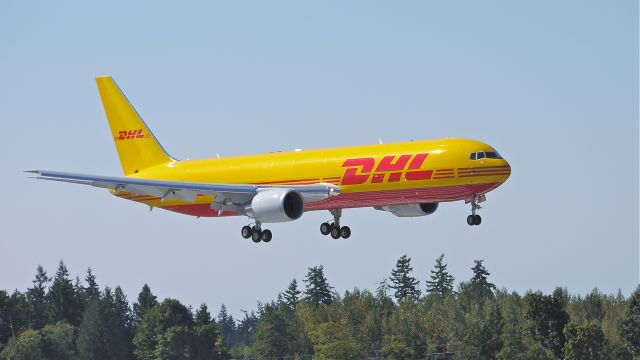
(553, 85)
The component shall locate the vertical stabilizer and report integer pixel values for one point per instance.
(137, 147)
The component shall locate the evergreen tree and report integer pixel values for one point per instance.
(441, 281)
(146, 301)
(227, 326)
(405, 285)
(273, 336)
(318, 291)
(291, 296)
(91, 291)
(546, 319)
(479, 283)
(102, 333)
(203, 317)
(246, 328)
(630, 325)
(37, 298)
(62, 300)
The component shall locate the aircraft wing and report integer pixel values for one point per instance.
(227, 196)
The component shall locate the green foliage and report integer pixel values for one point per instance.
(475, 322)
(37, 297)
(146, 301)
(441, 281)
(291, 296)
(630, 325)
(58, 341)
(27, 346)
(479, 284)
(318, 291)
(279, 333)
(63, 303)
(103, 332)
(547, 319)
(332, 340)
(405, 285)
(584, 341)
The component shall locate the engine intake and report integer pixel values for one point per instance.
(276, 205)
(411, 210)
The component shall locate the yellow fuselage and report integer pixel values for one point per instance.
(369, 175)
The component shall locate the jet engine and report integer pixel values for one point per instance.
(276, 205)
(411, 210)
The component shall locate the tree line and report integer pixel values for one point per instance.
(59, 318)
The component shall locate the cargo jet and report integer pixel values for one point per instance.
(407, 179)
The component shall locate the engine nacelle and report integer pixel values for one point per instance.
(412, 210)
(276, 205)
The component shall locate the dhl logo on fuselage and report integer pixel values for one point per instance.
(130, 135)
(363, 170)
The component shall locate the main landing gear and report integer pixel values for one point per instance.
(256, 233)
(475, 219)
(334, 228)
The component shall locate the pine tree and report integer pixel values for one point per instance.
(405, 286)
(441, 281)
(62, 300)
(227, 326)
(91, 291)
(318, 291)
(546, 319)
(481, 287)
(146, 301)
(291, 296)
(203, 317)
(37, 298)
(102, 334)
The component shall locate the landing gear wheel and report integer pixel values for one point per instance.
(471, 220)
(325, 228)
(345, 232)
(246, 232)
(256, 236)
(478, 219)
(335, 232)
(266, 236)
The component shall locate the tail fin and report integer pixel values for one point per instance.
(137, 147)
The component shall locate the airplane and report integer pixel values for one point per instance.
(407, 179)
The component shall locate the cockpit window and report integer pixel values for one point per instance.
(486, 154)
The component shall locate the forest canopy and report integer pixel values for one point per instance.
(59, 317)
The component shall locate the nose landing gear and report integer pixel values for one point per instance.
(475, 219)
(334, 228)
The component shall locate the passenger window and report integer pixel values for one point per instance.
(480, 155)
(473, 156)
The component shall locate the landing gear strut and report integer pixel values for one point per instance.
(475, 219)
(334, 228)
(256, 233)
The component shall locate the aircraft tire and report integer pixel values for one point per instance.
(325, 228)
(246, 232)
(478, 219)
(345, 232)
(256, 236)
(335, 232)
(471, 220)
(266, 236)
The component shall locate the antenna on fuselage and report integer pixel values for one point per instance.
(380, 141)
